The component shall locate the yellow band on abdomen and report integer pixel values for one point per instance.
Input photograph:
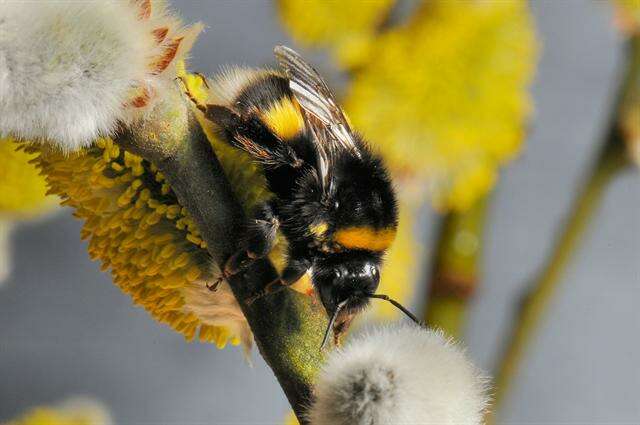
(365, 237)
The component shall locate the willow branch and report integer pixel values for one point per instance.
(536, 301)
(455, 273)
(610, 161)
(287, 328)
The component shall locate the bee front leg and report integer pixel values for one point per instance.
(290, 275)
(259, 240)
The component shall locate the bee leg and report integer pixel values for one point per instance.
(222, 116)
(262, 231)
(290, 275)
(191, 97)
(260, 238)
(203, 79)
(213, 287)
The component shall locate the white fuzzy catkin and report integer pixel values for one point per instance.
(400, 374)
(70, 71)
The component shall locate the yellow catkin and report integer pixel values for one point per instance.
(446, 98)
(443, 97)
(22, 188)
(73, 412)
(627, 15)
(291, 419)
(132, 227)
(23, 196)
(346, 27)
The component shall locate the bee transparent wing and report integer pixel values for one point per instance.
(320, 138)
(314, 96)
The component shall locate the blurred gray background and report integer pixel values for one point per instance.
(66, 330)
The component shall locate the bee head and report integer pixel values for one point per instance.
(346, 276)
(345, 282)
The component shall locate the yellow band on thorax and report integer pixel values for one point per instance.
(284, 118)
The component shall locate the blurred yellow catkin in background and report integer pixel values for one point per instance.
(71, 412)
(22, 196)
(347, 28)
(618, 152)
(22, 188)
(446, 97)
(627, 15)
(446, 100)
(627, 19)
(291, 419)
(443, 96)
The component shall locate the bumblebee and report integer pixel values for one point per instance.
(333, 197)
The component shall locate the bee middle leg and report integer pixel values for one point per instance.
(259, 240)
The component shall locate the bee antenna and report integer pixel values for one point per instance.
(334, 316)
(397, 304)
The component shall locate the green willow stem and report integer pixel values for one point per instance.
(286, 326)
(456, 269)
(610, 161)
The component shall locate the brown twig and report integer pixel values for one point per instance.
(456, 268)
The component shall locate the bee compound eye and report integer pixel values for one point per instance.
(337, 273)
(336, 205)
(375, 275)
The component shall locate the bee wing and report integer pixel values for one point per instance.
(321, 141)
(314, 96)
